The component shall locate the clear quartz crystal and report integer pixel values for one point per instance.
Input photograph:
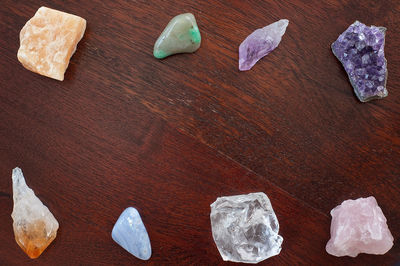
(34, 225)
(245, 228)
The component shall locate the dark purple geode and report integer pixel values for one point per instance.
(361, 51)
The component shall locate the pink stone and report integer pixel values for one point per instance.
(359, 226)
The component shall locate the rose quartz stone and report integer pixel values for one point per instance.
(359, 226)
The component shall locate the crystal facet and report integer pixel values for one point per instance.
(48, 40)
(359, 226)
(260, 43)
(34, 225)
(245, 228)
(130, 233)
(360, 49)
(181, 35)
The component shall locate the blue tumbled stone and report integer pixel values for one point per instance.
(360, 49)
(130, 233)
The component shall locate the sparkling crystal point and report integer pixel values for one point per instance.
(360, 49)
(260, 43)
(130, 233)
(245, 228)
(359, 226)
(34, 225)
(181, 35)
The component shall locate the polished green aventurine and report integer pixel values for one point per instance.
(181, 35)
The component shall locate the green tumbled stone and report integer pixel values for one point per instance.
(181, 35)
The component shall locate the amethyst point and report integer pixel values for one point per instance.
(360, 49)
(260, 43)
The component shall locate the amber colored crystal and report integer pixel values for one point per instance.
(34, 225)
(34, 240)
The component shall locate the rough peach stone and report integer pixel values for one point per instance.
(48, 40)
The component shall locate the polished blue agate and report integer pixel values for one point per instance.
(130, 233)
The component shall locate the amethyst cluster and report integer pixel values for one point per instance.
(361, 51)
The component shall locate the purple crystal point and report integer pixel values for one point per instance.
(361, 51)
(260, 43)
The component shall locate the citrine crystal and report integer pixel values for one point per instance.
(34, 225)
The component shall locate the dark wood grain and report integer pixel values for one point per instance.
(169, 137)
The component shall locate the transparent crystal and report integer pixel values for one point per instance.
(245, 228)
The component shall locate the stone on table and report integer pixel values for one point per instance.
(359, 226)
(360, 49)
(34, 225)
(48, 40)
(130, 233)
(181, 35)
(245, 228)
(260, 43)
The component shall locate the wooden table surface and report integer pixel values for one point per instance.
(170, 136)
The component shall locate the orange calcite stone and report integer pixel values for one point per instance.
(48, 40)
